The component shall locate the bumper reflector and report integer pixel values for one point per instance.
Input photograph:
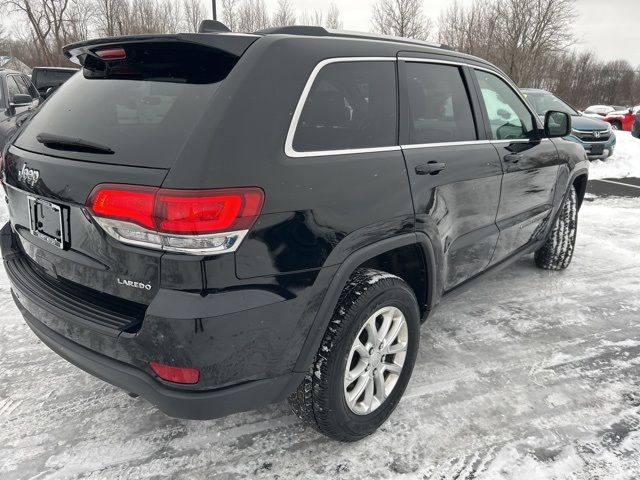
(188, 376)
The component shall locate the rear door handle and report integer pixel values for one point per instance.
(513, 157)
(431, 168)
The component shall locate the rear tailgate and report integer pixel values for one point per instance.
(122, 120)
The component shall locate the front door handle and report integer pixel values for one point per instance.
(431, 168)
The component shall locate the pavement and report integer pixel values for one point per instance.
(615, 187)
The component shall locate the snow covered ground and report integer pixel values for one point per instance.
(530, 375)
(625, 161)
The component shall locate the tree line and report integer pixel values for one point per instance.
(531, 40)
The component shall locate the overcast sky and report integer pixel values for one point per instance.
(611, 28)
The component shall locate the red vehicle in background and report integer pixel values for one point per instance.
(623, 120)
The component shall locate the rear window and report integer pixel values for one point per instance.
(351, 105)
(142, 109)
(51, 78)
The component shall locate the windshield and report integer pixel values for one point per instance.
(143, 109)
(543, 102)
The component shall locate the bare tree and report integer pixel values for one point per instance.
(193, 12)
(333, 17)
(252, 16)
(110, 15)
(229, 14)
(402, 18)
(314, 19)
(284, 15)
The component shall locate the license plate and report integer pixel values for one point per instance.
(46, 221)
(597, 149)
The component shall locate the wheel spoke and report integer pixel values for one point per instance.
(392, 368)
(381, 393)
(353, 374)
(360, 349)
(392, 335)
(387, 320)
(369, 394)
(362, 383)
(372, 332)
(396, 348)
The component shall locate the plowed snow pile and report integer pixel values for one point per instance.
(625, 161)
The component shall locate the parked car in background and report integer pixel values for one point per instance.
(623, 119)
(18, 98)
(594, 135)
(48, 79)
(635, 131)
(600, 110)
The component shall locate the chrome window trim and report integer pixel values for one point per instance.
(293, 126)
(446, 144)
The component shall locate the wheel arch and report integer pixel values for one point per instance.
(389, 252)
(580, 181)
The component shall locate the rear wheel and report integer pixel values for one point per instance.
(557, 252)
(365, 359)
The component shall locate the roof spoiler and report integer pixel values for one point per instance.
(234, 45)
(212, 26)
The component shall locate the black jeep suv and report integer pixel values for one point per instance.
(219, 221)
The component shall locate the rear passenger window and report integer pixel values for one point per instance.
(351, 105)
(439, 108)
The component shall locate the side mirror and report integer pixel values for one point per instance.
(20, 100)
(557, 124)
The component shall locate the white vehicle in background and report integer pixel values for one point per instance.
(601, 110)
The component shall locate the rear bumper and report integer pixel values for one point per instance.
(245, 348)
(196, 405)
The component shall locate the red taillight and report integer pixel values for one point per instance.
(184, 375)
(133, 204)
(184, 212)
(117, 53)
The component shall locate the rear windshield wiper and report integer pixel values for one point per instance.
(60, 142)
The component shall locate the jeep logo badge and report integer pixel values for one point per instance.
(28, 175)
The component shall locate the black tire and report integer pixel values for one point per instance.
(557, 252)
(616, 125)
(320, 399)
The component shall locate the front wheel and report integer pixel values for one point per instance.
(557, 251)
(616, 125)
(365, 359)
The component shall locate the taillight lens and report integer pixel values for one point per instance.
(190, 221)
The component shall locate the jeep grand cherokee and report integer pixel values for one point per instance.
(219, 221)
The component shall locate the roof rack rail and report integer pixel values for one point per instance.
(295, 30)
(323, 32)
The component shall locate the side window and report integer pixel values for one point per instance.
(12, 87)
(439, 107)
(31, 90)
(351, 105)
(510, 119)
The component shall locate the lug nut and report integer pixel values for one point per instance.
(371, 351)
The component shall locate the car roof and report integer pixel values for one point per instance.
(535, 90)
(5, 71)
(291, 32)
(57, 69)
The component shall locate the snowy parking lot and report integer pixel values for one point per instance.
(529, 375)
